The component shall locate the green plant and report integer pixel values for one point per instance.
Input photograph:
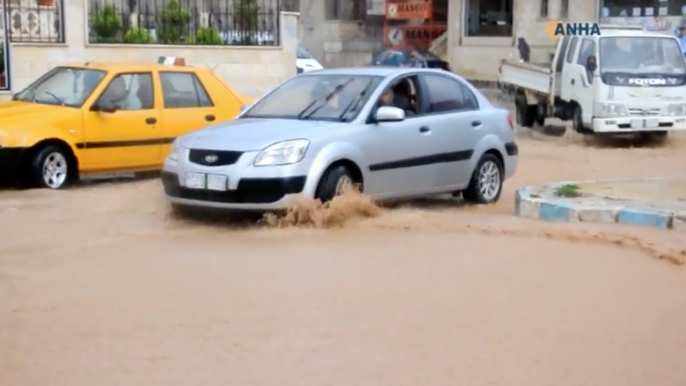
(207, 36)
(246, 16)
(174, 23)
(568, 190)
(137, 35)
(107, 25)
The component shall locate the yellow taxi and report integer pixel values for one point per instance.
(99, 118)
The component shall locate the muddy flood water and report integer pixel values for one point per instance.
(100, 286)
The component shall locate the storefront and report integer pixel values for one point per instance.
(653, 15)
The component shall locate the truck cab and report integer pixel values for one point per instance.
(624, 80)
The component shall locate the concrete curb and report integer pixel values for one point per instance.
(596, 209)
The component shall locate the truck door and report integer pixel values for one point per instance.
(558, 62)
(568, 81)
(583, 90)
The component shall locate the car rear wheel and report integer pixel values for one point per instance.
(49, 168)
(334, 182)
(487, 181)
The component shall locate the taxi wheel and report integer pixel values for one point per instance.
(487, 181)
(334, 182)
(49, 168)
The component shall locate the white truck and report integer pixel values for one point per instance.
(625, 80)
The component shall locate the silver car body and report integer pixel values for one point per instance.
(395, 160)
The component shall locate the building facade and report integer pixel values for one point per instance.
(480, 33)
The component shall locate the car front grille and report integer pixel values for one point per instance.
(644, 112)
(213, 157)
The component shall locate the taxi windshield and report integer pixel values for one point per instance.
(63, 86)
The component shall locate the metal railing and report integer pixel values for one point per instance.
(185, 22)
(35, 21)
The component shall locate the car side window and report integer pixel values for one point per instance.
(132, 91)
(448, 95)
(183, 90)
(572, 49)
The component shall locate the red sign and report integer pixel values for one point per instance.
(412, 36)
(408, 10)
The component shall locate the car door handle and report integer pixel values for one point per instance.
(424, 129)
(209, 118)
(476, 123)
(572, 81)
(151, 121)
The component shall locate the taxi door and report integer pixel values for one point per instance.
(186, 105)
(128, 136)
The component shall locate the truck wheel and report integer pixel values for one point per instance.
(540, 114)
(578, 121)
(526, 115)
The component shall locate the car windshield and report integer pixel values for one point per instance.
(318, 97)
(302, 53)
(641, 55)
(63, 86)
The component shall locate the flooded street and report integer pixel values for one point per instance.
(100, 286)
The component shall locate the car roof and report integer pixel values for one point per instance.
(373, 71)
(129, 66)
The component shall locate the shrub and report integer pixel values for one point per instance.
(208, 36)
(107, 25)
(246, 15)
(174, 23)
(137, 35)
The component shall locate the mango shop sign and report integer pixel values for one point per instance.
(408, 11)
(419, 35)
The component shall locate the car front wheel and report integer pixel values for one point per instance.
(487, 181)
(49, 168)
(334, 183)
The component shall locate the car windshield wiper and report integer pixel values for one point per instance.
(58, 99)
(353, 104)
(327, 98)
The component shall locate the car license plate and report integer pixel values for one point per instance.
(644, 123)
(214, 182)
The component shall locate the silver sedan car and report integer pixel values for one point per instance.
(396, 133)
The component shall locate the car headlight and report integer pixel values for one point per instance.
(283, 153)
(610, 110)
(175, 151)
(678, 109)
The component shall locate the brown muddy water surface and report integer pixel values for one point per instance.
(100, 286)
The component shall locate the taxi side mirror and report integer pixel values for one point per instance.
(104, 107)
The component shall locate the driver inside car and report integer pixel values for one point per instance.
(118, 95)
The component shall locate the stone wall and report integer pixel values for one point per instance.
(251, 71)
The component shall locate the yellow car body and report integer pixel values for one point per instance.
(94, 140)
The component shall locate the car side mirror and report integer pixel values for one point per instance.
(389, 114)
(104, 107)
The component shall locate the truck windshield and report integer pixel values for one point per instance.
(642, 56)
